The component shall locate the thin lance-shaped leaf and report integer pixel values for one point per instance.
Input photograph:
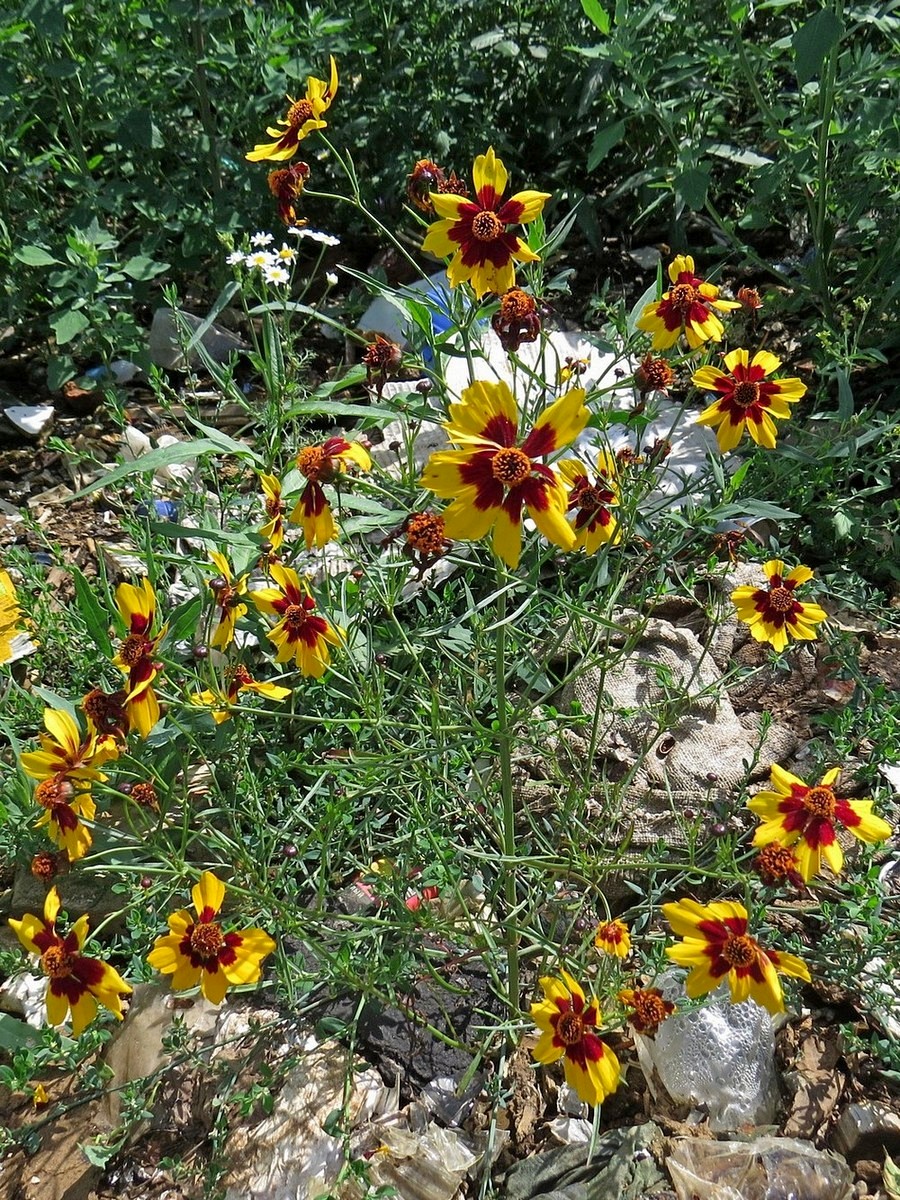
(153, 460)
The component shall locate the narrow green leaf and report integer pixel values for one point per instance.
(812, 42)
(891, 1176)
(165, 456)
(95, 615)
(603, 142)
(597, 15)
(34, 256)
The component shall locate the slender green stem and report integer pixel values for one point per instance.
(820, 212)
(508, 809)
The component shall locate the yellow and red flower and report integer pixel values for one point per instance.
(591, 502)
(747, 400)
(687, 307)
(286, 184)
(612, 937)
(774, 614)
(65, 750)
(238, 679)
(137, 654)
(322, 464)
(807, 819)
(299, 121)
(197, 950)
(568, 1026)
(717, 947)
(227, 592)
(301, 633)
(491, 478)
(648, 1008)
(476, 232)
(76, 982)
(275, 509)
(64, 805)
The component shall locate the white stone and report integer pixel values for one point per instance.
(30, 418)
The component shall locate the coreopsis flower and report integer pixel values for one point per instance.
(237, 679)
(45, 866)
(65, 750)
(381, 360)
(227, 592)
(143, 793)
(477, 232)
(612, 937)
(425, 177)
(568, 1026)
(750, 298)
(774, 614)
(572, 368)
(76, 982)
(747, 400)
(301, 119)
(687, 307)
(777, 864)
(137, 654)
(198, 951)
(806, 819)
(717, 947)
(591, 501)
(491, 478)
(517, 320)
(13, 639)
(64, 805)
(300, 633)
(653, 375)
(273, 529)
(322, 464)
(286, 184)
(648, 1008)
(106, 712)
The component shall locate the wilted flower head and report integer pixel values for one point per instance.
(381, 360)
(648, 1008)
(653, 375)
(517, 320)
(286, 185)
(426, 176)
(750, 298)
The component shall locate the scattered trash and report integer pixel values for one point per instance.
(622, 1167)
(171, 328)
(118, 371)
(23, 995)
(769, 1168)
(30, 418)
(867, 1130)
(166, 510)
(720, 1057)
(429, 1165)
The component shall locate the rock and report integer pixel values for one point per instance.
(867, 1130)
(720, 1057)
(767, 1167)
(815, 1082)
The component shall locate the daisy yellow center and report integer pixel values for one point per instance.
(299, 113)
(570, 1029)
(745, 394)
(781, 599)
(820, 801)
(739, 950)
(133, 649)
(486, 226)
(682, 296)
(207, 940)
(295, 619)
(312, 462)
(56, 962)
(511, 466)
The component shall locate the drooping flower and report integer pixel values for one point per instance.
(653, 375)
(492, 478)
(302, 117)
(322, 464)
(65, 750)
(807, 819)
(275, 509)
(591, 501)
(238, 679)
(685, 308)
(197, 950)
(137, 654)
(648, 1008)
(612, 937)
(776, 864)
(300, 633)
(750, 298)
(425, 177)
(45, 866)
(286, 184)
(64, 805)
(716, 947)
(106, 712)
(381, 360)
(747, 400)
(476, 232)
(76, 982)
(227, 592)
(568, 1026)
(143, 793)
(517, 320)
(774, 613)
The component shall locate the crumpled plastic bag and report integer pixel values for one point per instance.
(622, 1168)
(769, 1168)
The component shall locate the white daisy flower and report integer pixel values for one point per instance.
(235, 257)
(261, 239)
(275, 275)
(316, 235)
(261, 259)
(286, 253)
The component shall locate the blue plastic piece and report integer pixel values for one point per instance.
(166, 509)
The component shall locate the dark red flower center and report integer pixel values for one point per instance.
(206, 940)
(781, 599)
(511, 466)
(745, 394)
(570, 1029)
(595, 497)
(425, 533)
(299, 113)
(57, 962)
(135, 648)
(486, 226)
(274, 506)
(739, 950)
(683, 295)
(820, 801)
(295, 620)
